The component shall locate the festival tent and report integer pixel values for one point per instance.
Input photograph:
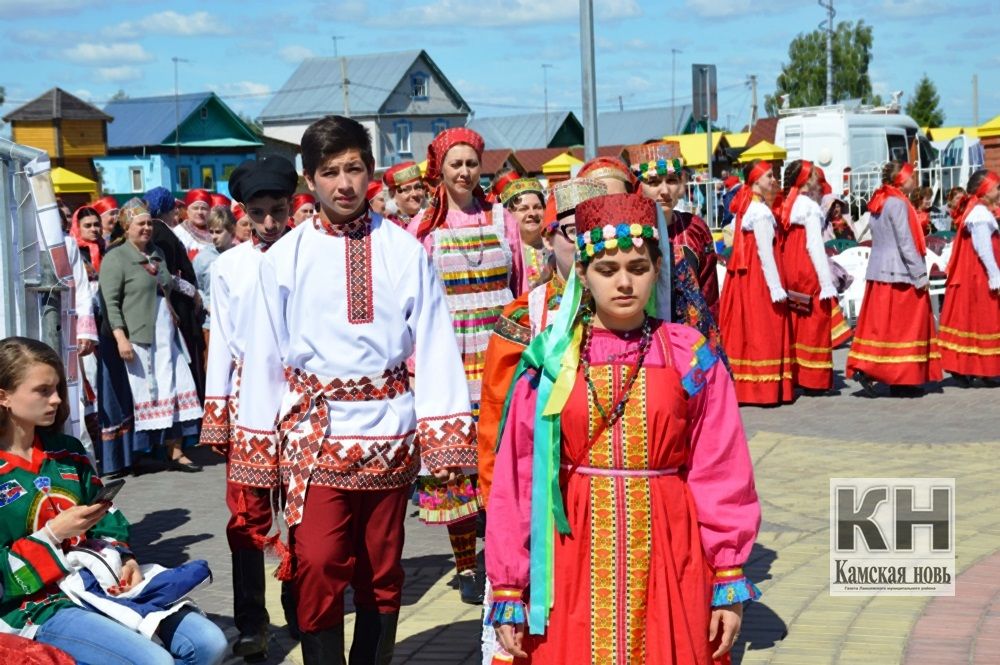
(763, 150)
(65, 181)
(693, 147)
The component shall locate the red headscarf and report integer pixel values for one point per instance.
(826, 188)
(738, 206)
(793, 193)
(219, 200)
(374, 189)
(302, 199)
(969, 202)
(105, 204)
(238, 211)
(94, 249)
(877, 203)
(195, 195)
(437, 210)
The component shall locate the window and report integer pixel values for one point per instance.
(208, 177)
(439, 126)
(227, 171)
(183, 178)
(418, 86)
(137, 184)
(403, 138)
(204, 113)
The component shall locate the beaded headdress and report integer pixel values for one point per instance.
(661, 158)
(616, 221)
(515, 188)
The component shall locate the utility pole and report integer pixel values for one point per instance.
(673, 90)
(545, 78)
(589, 79)
(345, 84)
(975, 100)
(621, 103)
(177, 112)
(709, 182)
(336, 38)
(830, 13)
(752, 80)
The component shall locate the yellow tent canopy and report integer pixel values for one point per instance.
(562, 163)
(65, 181)
(738, 140)
(693, 147)
(763, 150)
(989, 129)
(944, 133)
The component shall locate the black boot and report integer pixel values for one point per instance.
(374, 637)
(290, 606)
(249, 610)
(325, 647)
(867, 384)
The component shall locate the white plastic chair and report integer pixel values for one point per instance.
(856, 265)
(720, 271)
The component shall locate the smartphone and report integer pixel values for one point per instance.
(107, 493)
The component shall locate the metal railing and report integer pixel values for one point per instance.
(861, 184)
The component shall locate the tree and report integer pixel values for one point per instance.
(925, 105)
(803, 79)
(119, 96)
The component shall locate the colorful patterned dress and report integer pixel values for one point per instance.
(478, 257)
(655, 528)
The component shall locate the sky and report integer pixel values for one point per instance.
(491, 50)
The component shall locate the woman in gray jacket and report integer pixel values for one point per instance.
(136, 287)
(895, 341)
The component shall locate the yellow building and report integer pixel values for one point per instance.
(72, 131)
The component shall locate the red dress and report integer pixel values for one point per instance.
(651, 517)
(756, 332)
(969, 335)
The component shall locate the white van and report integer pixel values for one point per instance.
(851, 143)
(959, 158)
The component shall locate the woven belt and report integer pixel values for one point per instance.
(314, 394)
(621, 473)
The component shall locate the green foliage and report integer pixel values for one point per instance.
(119, 96)
(3, 94)
(803, 78)
(925, 105)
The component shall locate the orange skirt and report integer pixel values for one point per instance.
(894, 341)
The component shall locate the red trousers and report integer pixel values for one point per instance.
(348, 537)
(249, 516)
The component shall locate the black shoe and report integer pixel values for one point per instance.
(185, 467)
(906, 391)
(374, 637)
(989, 382)
(324, 647)
(962, 380)
(252, 646)
(867, 385)
(471, 588)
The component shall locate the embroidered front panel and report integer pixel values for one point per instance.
(603, 572)
(602, 453)
(360, 299)
(632, 425)
(356, 462)
(638, 554)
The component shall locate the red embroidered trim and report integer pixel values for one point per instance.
(358, 462)
(360, 299)
(215, 423)
(165, 407)
(253, 458)
(449, 443)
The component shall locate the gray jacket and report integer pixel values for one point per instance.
(894, 256)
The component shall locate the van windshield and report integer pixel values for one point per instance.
(868, 149)
(897, 147)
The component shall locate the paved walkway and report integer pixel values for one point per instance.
(796, 449)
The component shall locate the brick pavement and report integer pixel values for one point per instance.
(796, 449)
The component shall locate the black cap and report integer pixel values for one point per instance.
(270, 173)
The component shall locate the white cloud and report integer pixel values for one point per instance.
(497, 13)
(112, 54)
(119, 74)
(171, 23)
(296, 54)
(241, 89)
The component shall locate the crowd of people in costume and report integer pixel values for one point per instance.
(553, 368)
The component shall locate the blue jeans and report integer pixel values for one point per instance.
(94, 639)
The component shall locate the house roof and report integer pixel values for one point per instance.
(149, 121)
(56, 104)
(763, 150)
(315, 87)
(493, 161)
(763, 130)
(638, 125)
(526, 130)
(534, 159)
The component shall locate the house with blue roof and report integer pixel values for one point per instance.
(179, 142)
(403, 99)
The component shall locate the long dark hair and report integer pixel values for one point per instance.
(17, 355)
